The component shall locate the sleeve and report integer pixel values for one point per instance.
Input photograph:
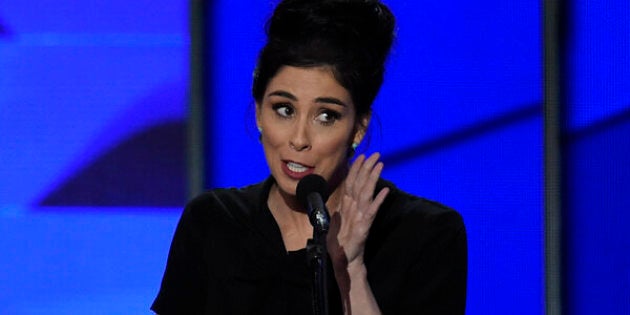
(437, 278)
(184, 282)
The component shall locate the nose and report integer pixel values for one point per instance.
(300, 138)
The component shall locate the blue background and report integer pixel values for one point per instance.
(597, 158)
(93, 112)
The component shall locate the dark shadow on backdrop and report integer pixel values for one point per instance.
(606, 141)
(4, 30)
(147, 170)
(598, 126)
(485, 127)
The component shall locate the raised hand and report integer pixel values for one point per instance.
(351, 222)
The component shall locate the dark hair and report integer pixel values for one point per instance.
(353, 37)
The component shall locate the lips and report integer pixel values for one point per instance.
(295, 167)
(296, 170)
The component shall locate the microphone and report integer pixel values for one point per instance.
(312, 192)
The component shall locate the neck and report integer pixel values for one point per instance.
(286, 209)
(291, 218)
(337, 188)
(281, 200)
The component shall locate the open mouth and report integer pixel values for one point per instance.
(296, 170)
(295, 167)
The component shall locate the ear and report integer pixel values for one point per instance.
(361, 128)
(258, 124)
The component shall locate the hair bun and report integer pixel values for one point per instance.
(365, 25)
(352, 37)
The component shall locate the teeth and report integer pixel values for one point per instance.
(294, 167)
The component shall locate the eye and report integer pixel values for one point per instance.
(328, 117)
(284, 110)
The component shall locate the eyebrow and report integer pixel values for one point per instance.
(326, 99)
(330, 100)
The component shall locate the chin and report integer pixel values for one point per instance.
(286, 186)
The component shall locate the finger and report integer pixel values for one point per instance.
(371, 173)
(347, 216)
(364, 173)
(365, 193)
(378, 201)
(352, 173)
(370, 184)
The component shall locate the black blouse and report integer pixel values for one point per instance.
(228, 257)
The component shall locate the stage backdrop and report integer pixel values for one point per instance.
(93, 98)
(597, 160)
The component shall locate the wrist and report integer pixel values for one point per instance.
(356, 270)
(350, 273)
(356, 293)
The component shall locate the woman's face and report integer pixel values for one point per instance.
(308, 123)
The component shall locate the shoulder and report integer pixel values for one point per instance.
(245, 197)
(416, 255)
(402, 210)
(221, 205)
(400, 203)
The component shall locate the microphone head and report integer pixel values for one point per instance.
(309, 184)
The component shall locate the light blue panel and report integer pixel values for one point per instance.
(78, 78)
(96, 16)
(66, 106)
(83, 260)
(75, 81)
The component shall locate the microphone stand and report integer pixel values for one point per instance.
(317, 256)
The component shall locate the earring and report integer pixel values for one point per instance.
(352, 149)
(259, 129)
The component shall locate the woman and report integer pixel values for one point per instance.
(242, 251)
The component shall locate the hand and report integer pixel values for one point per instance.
(351, 223)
